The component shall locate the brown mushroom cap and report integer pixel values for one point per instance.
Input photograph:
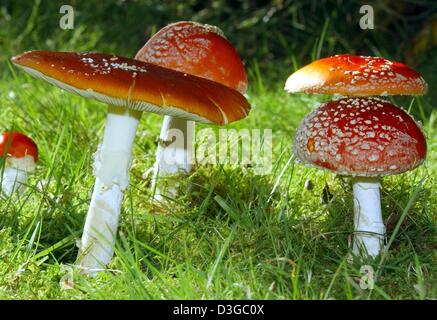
(351, 75)
(360, 137)
(137, 85)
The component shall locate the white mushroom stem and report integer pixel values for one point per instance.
(16, 172)
(13, 179)
(369, 226)
(112, 163)
(173, 155)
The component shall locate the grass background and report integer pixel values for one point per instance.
(229, 236)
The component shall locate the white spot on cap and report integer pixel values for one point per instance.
(365, 146)
(373, 157)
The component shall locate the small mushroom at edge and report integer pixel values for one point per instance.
(21, 154)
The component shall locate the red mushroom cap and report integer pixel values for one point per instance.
(360, 137)
(351, 75)
(17, 145)
(137, 85)
(198, 49)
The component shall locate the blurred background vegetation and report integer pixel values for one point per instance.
(261, 30)
(273, 37)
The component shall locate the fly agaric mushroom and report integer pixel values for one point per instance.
(350, 75)
(358, 76)
(365, 138)
(201, 50)
(197, 49)
(129, 87)
(21, 155)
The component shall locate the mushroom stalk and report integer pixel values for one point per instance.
(174, 155)
(369, 226)
(112, 163)
(13, 179)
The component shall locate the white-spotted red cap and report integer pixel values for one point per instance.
(350, 75)
(136, 85)
(360, 137)
(198, 49)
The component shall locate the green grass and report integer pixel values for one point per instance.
(231, 234)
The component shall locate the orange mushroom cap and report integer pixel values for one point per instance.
(351, 75)
(360, 137)
(137, 85)
(197, 49)
(17, 145)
